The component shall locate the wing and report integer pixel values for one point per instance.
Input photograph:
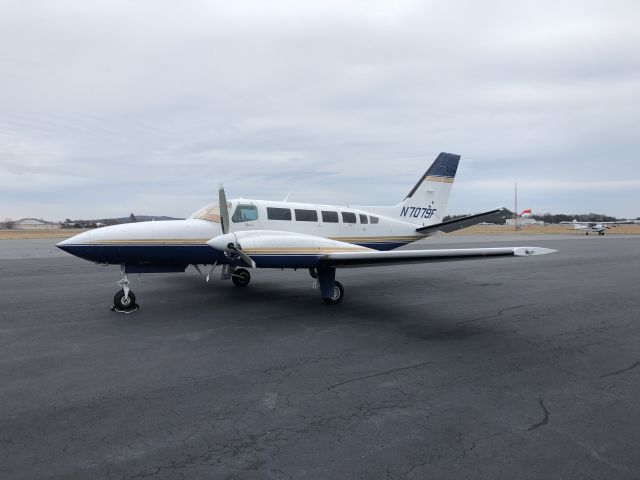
(459, 223)
(292, 250)
(374, 259)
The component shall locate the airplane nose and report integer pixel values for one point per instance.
(76, 245)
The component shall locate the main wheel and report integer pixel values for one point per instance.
(313, 272)
(122, 303)
(241, 277)
(338, 295)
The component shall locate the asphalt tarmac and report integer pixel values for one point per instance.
(522, 368)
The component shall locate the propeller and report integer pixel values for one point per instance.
(224, 210)
(228, 242)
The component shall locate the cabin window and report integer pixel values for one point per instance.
(363, 218)
(274, 213)
(245, 213)
(374, 219)
(306, 215)
(349, 217)
(330, 217)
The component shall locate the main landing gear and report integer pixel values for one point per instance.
(331, 290)
(124, 301)
(241, 277)
(338, 294)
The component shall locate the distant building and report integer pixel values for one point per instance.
(34, 224)
(524, 222)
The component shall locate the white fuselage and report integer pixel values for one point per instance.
(349, 225)
(181, 242)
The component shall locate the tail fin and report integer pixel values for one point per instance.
(426, 203)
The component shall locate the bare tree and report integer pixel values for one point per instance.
(8, 223)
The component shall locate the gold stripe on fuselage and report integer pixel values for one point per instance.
(152, 241)
(203, 241)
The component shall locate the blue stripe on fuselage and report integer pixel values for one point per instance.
(147, 255)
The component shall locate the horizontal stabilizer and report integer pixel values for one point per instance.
(458, 223)
(404, 257)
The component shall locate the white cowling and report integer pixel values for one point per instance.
(268, 241)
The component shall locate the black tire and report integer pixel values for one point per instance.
(241, 277)
(338, 295)
(313, 272)
(124, 304)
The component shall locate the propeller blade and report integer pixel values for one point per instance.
(224, 211)
(246, 258)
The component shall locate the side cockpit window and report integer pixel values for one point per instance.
(245, 213)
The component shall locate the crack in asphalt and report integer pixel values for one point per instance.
(373, 375)
(620, 371)
(544, 420)
(496, 315)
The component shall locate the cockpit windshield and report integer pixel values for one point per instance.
(211, 212)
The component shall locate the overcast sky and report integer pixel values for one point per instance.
(108, 107)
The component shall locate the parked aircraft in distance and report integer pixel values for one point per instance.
(243, 233)
(596, 227)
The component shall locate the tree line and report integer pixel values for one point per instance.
(501, 218)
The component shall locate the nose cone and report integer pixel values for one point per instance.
(77, 244)
(80, 239)
(222, 241)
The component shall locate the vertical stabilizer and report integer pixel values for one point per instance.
(427, 201)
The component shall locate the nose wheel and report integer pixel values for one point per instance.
(124, 302)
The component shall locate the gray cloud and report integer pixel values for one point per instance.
(108, 107)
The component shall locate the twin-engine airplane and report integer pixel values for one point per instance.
(240, 234)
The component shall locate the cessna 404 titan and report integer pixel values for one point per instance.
(240, 234)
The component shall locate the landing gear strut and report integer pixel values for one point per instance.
(124, 300)
(331, 290)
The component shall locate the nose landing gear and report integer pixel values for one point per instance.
(124, 301)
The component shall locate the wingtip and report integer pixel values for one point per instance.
(530, 251)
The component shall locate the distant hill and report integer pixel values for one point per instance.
(502, 217)
(139, 218)
(92, 223)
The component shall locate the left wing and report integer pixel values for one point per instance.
(375, 258)
(293, 250)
